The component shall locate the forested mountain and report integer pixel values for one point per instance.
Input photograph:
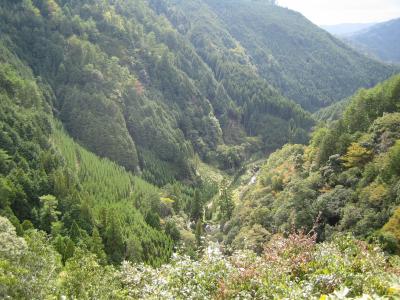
(297, 57)
(49, 182)
(129, 87)
(346, 179)
(148, 85)
(381, 41)
(127, 127)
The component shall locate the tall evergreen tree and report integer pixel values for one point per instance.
(97, 246)
(114, 241)
(226, 204)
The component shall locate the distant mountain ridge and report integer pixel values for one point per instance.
(381, 41)
(346, 29)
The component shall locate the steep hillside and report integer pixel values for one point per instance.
(332, 112)
(381, 41)
(298, 58)
(126, 127)
(346, 179)
(152, 85)
(130, 88)
(99, 66)
(49, 182)
(66, 214)
(127, 87)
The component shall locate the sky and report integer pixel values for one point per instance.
(331, 12)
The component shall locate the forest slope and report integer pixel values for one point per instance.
(302, 61)
(49, 182)
(129, 87)
(151, 86)
(346, 179)
(381, 41)
(113, 112)
(67, 220)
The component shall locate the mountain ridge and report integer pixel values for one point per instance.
(264, 46)
(347, 29)
(380, 41)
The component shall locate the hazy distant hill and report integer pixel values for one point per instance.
(346, 29)
(381, 40)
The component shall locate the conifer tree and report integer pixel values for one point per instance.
(196, 206)
(114, 241)
(226, 204)
(75, 232)
(48, 212)
(199, 232)
(97, 246)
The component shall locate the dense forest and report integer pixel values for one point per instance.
(345, 180)
(170, 149)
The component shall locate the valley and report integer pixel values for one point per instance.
(194, 149)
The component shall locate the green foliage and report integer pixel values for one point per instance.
(130, 85)
(5, 160)
(153, 219)
(225, 203)
(356, 156)
(28, 266)
(196, 206)
(252, 238)
(346, 180)
(332, 112)
(149, 88)
(199, 232)
(190, 199)
(289, 268)
(366, 111)
(149, 85)
(391, 233)
(26, 159)
(117, 203)
(291, 53)
(38, 162)
(172, 231)
(368, 105)
(394, 159)
(65, 246)
(48, 212)
(84, 278)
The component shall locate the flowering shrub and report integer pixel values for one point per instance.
(295, 267)
(183, 278)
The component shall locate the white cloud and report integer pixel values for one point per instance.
(328, 12)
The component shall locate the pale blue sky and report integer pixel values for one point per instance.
(329, 12)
